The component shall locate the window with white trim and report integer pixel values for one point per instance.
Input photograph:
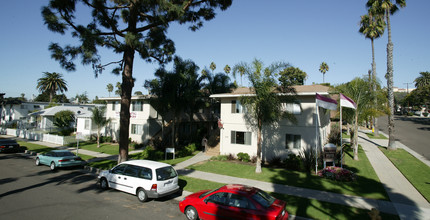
(87, 124)
(293, 108)
(114, 104)
(240, 137)
(237, 107)
(137, 106)
(136, 129)
(293, 141)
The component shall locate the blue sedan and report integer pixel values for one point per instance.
(59, 158)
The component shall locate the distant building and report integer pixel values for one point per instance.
(408, 90)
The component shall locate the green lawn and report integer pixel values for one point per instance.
(413, 169)
(309, 208)
(107, 148)
(372, 135)
(367, 184)
(35, 147)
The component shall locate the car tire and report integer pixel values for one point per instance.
(37, 161)
(141, 194)
(191, 213)
(104, 183)
(52, 166)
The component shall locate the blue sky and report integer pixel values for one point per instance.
(302, 33)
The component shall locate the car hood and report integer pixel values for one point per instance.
(103, 173)
(197, 194)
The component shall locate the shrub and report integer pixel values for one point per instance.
(275, 161)
(334, 136)
(338, 174)
(425, 114)
(292, 162)
(230, 157)
(219, 157)
(243, 157)
(187, 150)
(308, 159)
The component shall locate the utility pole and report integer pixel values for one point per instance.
(407, 87)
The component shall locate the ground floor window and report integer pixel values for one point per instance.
(293, 141)
(136, 129)
(87, 124)
(240, 137)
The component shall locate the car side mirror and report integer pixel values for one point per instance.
(208, 200)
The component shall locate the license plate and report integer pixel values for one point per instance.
(10, 146)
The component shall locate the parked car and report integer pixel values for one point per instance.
(59, 158)
(143, 178)
(9, 146)
(233, 201)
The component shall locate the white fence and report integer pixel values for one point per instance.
(39, 136)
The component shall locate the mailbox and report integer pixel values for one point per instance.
(329, 153)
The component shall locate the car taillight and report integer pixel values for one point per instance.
(64, 160)
(2, 146)
(154, 187)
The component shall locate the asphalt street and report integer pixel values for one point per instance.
(34, 192)
(413, 132)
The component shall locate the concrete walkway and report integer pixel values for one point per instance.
(406, 201)
(409, 203)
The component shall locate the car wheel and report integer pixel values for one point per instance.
(141, 195)
(104, 183)
(52, 166)
(37, 162)
(191, 213)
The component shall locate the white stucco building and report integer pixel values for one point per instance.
(280, 139)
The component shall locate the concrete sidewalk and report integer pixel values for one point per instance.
(409, 203)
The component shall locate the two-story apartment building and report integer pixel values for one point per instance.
(144, 120)
(279, 139)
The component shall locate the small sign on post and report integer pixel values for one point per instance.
(169, 150)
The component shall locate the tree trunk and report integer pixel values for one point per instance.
(356, 136)
(258, 165)
(98, 138)
(390, 73)
(126, 88)
(375, 119)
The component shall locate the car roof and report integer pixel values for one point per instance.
(239, 188)
(146, 163)
(60, 151)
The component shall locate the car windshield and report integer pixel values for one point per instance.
(165, 173)
(207, 193)
(263, 198)
(63, 154)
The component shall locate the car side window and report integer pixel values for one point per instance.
(219, 198)
(49, 154)
(145, 173)
(240, 202)
(119, 169)
(131, 170)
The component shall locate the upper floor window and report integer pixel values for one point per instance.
(237, 107)
(137, 106)
(293, 108)
(114, 106)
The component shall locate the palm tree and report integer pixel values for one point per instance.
(323, 69)
(265, 107)
(99, 120)
(109, 88)
(372, 26)
(51, 82)
(423, 80)
(387, 8)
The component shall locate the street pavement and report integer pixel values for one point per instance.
(406, 201)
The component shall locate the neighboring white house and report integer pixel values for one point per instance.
(19, 111)
(144, 120)
(280, 139)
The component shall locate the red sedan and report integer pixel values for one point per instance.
(233, 202)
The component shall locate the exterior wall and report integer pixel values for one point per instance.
(141, 118)
(274, 137)
(19, 111)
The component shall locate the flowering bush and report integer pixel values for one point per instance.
(338, 174)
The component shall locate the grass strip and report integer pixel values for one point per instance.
(413, 169)
(372, 136)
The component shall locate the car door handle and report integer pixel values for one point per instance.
(125, 178)
(119, 177)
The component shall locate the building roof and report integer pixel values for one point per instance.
(118, 98)
(79, 111)
(300, 90)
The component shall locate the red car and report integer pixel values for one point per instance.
(233, 202)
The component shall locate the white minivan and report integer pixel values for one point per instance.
(143, 178)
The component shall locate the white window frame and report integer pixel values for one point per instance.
(247, 137)
(293, 141)
(137, 129)
(87, 124)
(137, 106)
